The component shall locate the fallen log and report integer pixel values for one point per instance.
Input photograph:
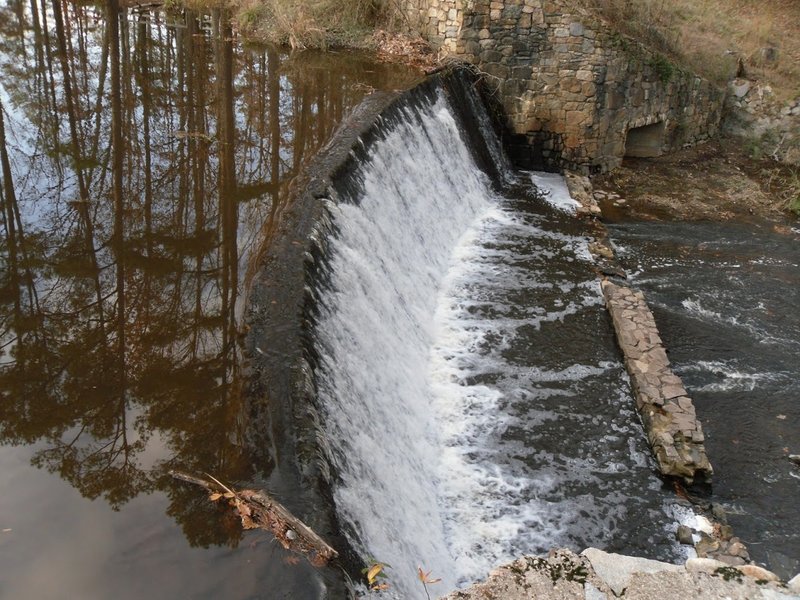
(257, 509)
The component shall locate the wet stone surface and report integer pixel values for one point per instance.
(673, 430)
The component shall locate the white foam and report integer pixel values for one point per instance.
(554, 188)
(376, 324)
(731, 376)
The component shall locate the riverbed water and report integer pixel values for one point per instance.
(725, 298)
(475, 404)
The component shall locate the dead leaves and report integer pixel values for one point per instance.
(425, 578)
(376, 574)
(238, 504)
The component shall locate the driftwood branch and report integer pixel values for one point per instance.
(257, 509)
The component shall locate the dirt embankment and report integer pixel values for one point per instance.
(718, 180)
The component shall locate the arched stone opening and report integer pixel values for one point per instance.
(645, 142)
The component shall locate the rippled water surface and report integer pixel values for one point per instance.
(725, 297)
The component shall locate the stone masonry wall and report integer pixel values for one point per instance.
(773, 128)
(570, 88)
(439, 21)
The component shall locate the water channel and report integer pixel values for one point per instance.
(725, 297)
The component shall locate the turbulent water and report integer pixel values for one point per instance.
(725, 299)
(472, 394)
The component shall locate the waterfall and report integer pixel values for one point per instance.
(471, 397)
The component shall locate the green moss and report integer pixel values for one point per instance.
(729, 573)
(662, 67)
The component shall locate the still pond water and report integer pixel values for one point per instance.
(121, 281)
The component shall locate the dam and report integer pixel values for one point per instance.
(326, 279)
(470, 400)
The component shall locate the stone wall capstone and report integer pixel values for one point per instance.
(570, 88)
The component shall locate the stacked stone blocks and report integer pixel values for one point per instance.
(570, 88)
(668, 414)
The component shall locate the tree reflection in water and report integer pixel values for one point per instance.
(140, 161)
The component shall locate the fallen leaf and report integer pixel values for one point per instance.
(426, 577)
(7, 530)
(248, 523)
(229, 495)
(214, 497)
(373, 572)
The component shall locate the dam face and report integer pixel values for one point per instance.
(470, 399)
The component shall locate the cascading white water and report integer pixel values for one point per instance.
(445, 419)
(422, 191)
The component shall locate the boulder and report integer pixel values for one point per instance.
(617, 570)
(704, 565)
(758, 573)
(794, 584)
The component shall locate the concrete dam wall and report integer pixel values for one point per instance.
(575, 94)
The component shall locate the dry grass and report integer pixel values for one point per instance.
(709, 36)
(314, 24)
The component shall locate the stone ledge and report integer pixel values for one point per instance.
(598, 575)
(673, 430)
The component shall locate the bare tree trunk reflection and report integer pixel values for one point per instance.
(77, 157)
(118, 152)
(227, 179)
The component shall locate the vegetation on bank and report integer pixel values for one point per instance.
(709, 36)
(706, 36)
(308, 23)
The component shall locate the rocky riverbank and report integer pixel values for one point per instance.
(598, 575)
(724, 179)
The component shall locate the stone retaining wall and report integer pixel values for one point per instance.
(570, 88)
(667, 412)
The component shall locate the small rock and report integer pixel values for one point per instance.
(740, 87)
(758, 573)
(719, 513)
(684, 535)
(703, 565)
(795, 458)
(733, 561)
(706, 545)
(737, 549)
(725, 532)
(794, 584)
(704, 525)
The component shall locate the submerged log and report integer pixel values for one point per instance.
(257, 509)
